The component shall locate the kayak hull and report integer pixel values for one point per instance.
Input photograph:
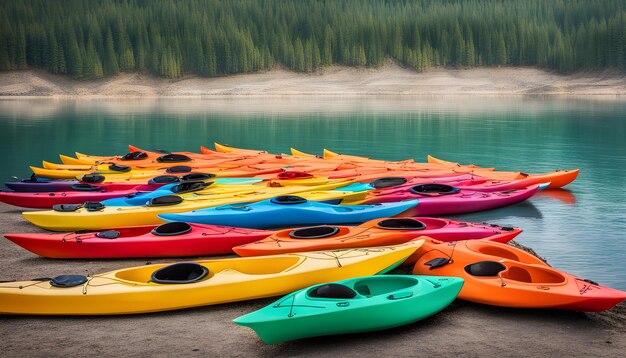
(200, 240)
(465, 201)
(131, 291)
(381, 302)
(521, 280)
(267, 214)
(371, 234)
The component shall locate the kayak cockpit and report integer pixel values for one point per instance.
(254, 266)
(368, 287)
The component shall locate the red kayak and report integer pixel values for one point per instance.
(175, 239)
(442, 199)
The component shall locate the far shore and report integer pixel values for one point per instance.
(389, 80)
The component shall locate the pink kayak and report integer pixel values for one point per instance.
(461, 181)
(442, 199)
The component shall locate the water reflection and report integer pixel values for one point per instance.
(563, 195)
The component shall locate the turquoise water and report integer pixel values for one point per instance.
(581, 229)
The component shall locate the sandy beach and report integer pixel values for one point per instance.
(389, 80)
(463, 329)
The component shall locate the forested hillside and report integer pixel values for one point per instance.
(94, 38)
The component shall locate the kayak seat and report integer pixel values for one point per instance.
(376, 286)
(173, 158)
(119, 168)
(92, 178)
(315, 232)
(172, 229)
(108, 234)
(165, 200)
(332, 290)
(188, 187)
(85, 187)
(183, 272)
(65, 281)
(388, 182)
(533, 275)
(196, 177)
(401, 224)
(178, 169)
(288, 200)
(163, 179)
(135, 156)
(434, 189)
(485, 268)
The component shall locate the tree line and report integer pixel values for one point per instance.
(89, 39)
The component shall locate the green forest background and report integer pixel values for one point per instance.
(94, 38)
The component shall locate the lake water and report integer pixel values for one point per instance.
(581, 230)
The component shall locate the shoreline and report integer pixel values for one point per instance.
(336, 81)
(476, 330)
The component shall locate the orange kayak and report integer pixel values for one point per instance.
(378, 232)
(557, 178)
(501, 275)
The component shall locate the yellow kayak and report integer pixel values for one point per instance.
(165, 287)
(222, 148)
(121, 216)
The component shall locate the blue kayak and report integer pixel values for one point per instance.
(141, 198)
(289, 210)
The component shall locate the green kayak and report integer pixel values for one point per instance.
(356, 305)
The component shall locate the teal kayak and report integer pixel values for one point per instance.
(355, 305)
(289, 210)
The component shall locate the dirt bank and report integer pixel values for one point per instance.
(335, 81)
(463, 329)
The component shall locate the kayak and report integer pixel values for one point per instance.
(96, 216)
(501, 275)
(36, 184)
(289, 210)
(143, 175)
(389, 231)
(557, 179)
(112, 193)
(176, 239)
(442, 199)
(163, 287)
(222, 148)
(363, 304)
(185, 190)
(78, 194)
(461, 181)
(66, 171)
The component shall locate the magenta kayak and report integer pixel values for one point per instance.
(443, 199)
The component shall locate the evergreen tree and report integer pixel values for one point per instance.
(110, 59)
(211, 37)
